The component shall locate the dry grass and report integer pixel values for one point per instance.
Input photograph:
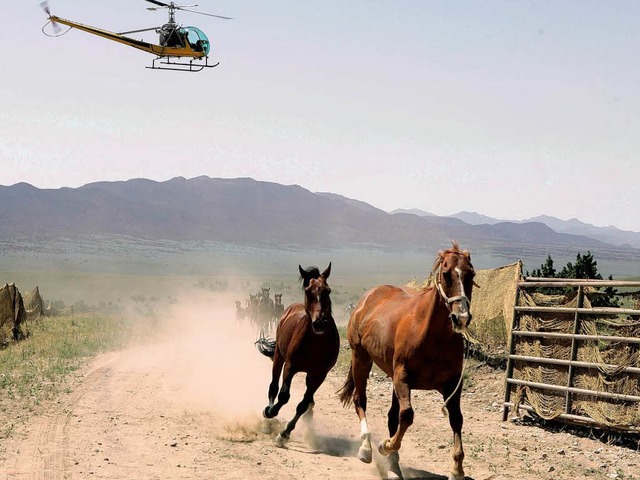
(40, 367)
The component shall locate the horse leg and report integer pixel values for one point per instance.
(313, 383)
(360, 367)
(455, 420)
(392, 422)
(405, 412)
(285, 394)
(278, 363)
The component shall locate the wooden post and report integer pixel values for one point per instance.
(515, 323)
(574, 349)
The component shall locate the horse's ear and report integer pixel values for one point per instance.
(467, 254)
(327, 272)
(303, 272)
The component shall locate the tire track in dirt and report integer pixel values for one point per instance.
(43, 455)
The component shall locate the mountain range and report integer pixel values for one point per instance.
(243, 211)
(611, 235)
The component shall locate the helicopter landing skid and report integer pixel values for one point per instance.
(192, 66)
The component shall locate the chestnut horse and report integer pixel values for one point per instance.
(306, 341)
(416, 338)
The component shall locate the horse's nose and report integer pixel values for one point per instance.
(461, 320)
(320, 324)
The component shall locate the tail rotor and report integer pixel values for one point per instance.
(54, 25)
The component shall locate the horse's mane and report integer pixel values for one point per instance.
(429, 283)
(314, 272)
(455, 248)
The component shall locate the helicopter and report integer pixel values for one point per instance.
(175, 41)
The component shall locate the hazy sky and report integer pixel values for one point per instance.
(509, 108)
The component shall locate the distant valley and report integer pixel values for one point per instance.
(244, 213)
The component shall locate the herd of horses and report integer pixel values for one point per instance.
(260, 309)
(415, 336)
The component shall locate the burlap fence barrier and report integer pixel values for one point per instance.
(608, 375)
(13, 316)
(33, 304)
(492, 306)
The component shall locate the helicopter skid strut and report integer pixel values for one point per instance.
(192, 66)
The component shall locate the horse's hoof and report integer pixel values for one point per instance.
(391, 475)
(394, 467)
(266, 413)
(281, 440)
(364, 454)
(383, 449)
(453, 476)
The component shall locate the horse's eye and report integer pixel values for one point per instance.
(447, 275)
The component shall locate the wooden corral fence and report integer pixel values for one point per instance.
(571, 361)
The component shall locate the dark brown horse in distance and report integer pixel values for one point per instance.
(306, 341)
(278, 307)
(415, 337)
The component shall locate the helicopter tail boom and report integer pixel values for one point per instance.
(138, 44)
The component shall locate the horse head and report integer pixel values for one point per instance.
(253, 300)
(317, 303)
(453, 273)
(278, 297)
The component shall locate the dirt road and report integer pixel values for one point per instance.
(189, 406)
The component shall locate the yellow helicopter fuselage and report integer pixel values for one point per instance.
(159, 50)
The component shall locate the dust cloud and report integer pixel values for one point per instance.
(208, 361)
(207, 358)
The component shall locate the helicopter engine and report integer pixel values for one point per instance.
(170, 35)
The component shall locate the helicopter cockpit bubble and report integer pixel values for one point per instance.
(197, 39)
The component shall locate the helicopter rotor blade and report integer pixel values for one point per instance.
(203, 13)
(141, 30)
(155, 2)
(45, 7)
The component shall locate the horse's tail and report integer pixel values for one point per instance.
(346, 392)
(266, 346)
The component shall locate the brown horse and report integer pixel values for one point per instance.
(252, 308)
(307, 341)
(278, 307)
(416, 338)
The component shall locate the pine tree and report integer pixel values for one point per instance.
(585, 267)
(546, 269)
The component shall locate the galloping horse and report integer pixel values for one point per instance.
(278, 307)
(416, 338)
(252, 308)
(265, 308)
(307, 341)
